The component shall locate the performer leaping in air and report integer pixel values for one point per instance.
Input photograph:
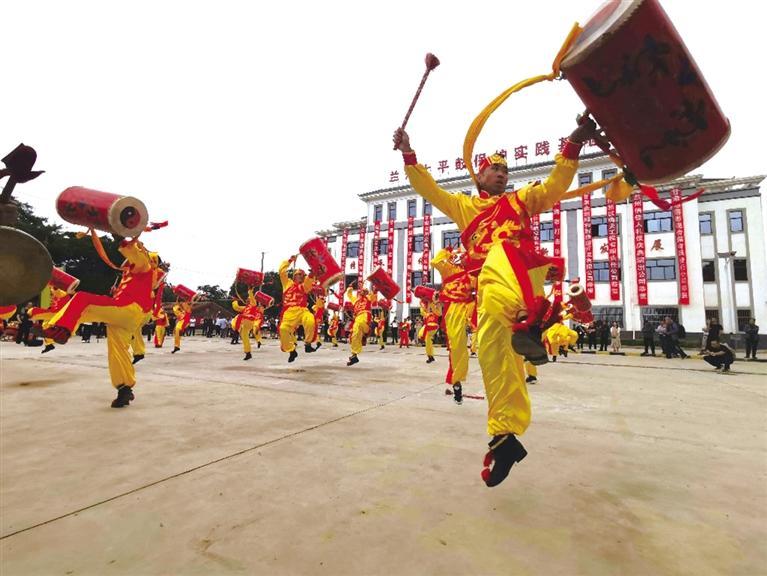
(295, 312)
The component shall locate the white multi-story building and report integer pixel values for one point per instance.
(724, 232)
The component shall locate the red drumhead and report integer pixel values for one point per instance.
(606, 20)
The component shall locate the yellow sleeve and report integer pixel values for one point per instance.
(136, 255)
(284, 278)
(541, 197)
(237, 307)
(458, 207)
(308, 283)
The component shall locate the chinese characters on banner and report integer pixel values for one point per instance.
(342, 283)
(361, 258)
(557, 220)
(390, 249)
(409, 260)
(612, 251)
(535, 223)
(426, 257)
(376, 250)
(681, 249)
(588, 247)
(639, 253)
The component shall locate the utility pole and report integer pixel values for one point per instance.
(262, 261)
(728, 258)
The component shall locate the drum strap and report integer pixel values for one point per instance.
(99, 247)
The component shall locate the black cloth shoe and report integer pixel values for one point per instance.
(553, 358)
(175, 349)
(527, 343)
(248, 356)
(48, 348)
(258, 344)
(458, 393)
(124, 396)
(382, 347)
(293, 356)
(505, 451)
(448, 392)
(308, 348)
(352, 360)
(137, 358)
(531, 380)
(430, 359)
(317, 347)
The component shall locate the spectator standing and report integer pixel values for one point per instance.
(752, 338)
(704, 337)
(673, 333)
(591, 332)
(604, 335)
(25, 324)
(648, 337)
(615, 337)
(714, 331)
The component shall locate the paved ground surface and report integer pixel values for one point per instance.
(636, 466)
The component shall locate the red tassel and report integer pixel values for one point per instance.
(652, 196)
(155, 226)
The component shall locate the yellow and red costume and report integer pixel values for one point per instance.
(160, 326)
(380, 321)
(404, 333)
(249, 318)
(498, 239)
(362, 302)
(333, 329)
(559, 336)
(295, 312)
(430, 315)
(122, 312)
(58, 299)
(458, 301)
(7, 312)
(183, 313)
(158, 275)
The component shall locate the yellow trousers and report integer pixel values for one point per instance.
(560, 336)
(531, 369)
(257, 334)
(122, 323)
(177, 334)
(245, 327)
(291, 319)
(137, 342)
(500, 301)
(360, 329)
(457, 318)
(379, 335)
(428, 337)
(159, 335)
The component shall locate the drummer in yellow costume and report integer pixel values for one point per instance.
(335, 321)
(560, 337)
(158, 274)
(160, 325)
(183, 313)
(122, 312)
(318, 309)
(295, 312)
(458, 300)
(362, 300)
(380, 322)
(430, 315)
(245, 321)
(495, 225)
(58, 299)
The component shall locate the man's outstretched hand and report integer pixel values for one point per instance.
(401, 141)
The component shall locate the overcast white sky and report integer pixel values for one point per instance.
(251, 125)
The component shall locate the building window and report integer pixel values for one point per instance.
(451, 238)
(736, 220)
(377, 212)
(383, 246)
(547, 231)
(608, 314)
(609, 173)
(417, 278)
(740, 267)
(656, 315)
(330, 239)
(418, 243)
(744, 315)
(706, 224)
(709, 271)
(658, 222)
(712, 315)
(602, 271)
(584, 178)
(599, 226)
(352, 249)
(466, 192)
(661, 269)
(411, 208)
(392, 211)
(426, 208)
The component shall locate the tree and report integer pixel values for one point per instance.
(212, 292)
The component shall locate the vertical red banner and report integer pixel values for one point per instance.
(376, 247)
(535, 224)
(390, 249)
(588, 247)
(409, 261)
(426, 257)
(557, 222)
(639, 253)
(361, 257)
(612, 251)
(342, 284)
(681, 248)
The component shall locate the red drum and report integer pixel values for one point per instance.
(425, 293)
(334, 306)
(322, 264)
(384, 283)
(249, 277)
(64, 281)
(122, 215)
(184, 293)
(577, 298)
(264, 299)
(636, 77)
(384, 303)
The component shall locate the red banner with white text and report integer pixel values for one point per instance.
(588, 247)
(535, 223)
(361, 258)
(639, 253)
(612, 251)
(409, 261)
(390, 249)
(681, 247)
(342, 283)
(557, 222)
(426, 257)
(376, 248)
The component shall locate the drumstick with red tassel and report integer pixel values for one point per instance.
(431, 63)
